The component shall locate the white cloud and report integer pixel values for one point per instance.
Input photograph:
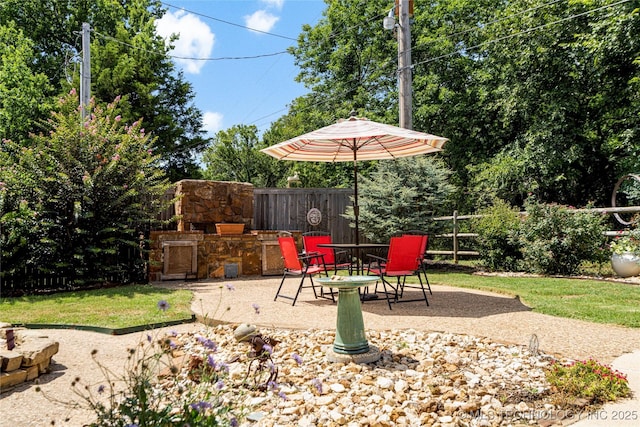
(276, 4)
(212, 122)
(261, 20)
(196, 39)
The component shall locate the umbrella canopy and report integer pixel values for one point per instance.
(356, 139)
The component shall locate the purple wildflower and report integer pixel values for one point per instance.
(211, 361)
(149, 338)
(272, 385)
(282, 395)
(297, 358)
(163, 305)
(207, 343)
(230, 286)
(220, 385)
(200, 406)
(256, 308)
(317, 383)
(267, 349)
(233, 422)
(101, 389)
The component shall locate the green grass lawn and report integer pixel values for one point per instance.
(119, 307)
(127, 306)
(591, 300)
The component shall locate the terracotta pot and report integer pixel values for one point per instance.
(626, 265)
(224, 229)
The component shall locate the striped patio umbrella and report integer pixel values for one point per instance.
(356, 139)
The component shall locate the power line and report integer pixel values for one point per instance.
(228, 22)
(475, 46)
(528, 30)
(222, 58)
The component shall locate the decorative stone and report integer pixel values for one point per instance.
(10, 360)
(36, 352)
(244, 332)
(30, 357)
(9, 379)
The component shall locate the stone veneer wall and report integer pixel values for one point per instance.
(204, 203)
(200, 205)
(214, 251)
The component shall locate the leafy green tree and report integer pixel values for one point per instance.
(128, 59)
(23, 99)
(76, 197)
(234, 156)
(402, 195)
(534, 98)
(348, 61)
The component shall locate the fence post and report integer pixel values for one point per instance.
(455, 237)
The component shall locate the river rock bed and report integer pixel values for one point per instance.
(421, 379)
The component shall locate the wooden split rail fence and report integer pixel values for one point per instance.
(456, 236)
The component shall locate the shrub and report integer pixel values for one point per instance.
(557, 239)
(498, 237)
(590, 380)
(402, 195)
(74, 199)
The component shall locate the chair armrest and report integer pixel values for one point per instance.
(311, 255)
(377, 258)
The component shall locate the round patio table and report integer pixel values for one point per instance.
(350, 337)
(355, 249)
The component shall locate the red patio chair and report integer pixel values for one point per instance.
(312, 239)
(297, 265)
(423, 252)
(403, 260)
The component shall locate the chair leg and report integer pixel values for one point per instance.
(300, 289)
(280, 287)
(326, 273)
(426, 279)
(401, 286)
(424, 293)
(386, 293)
(300, 286)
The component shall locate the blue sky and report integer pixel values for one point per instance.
(239, 91)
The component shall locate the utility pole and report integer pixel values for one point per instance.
(404, 65)
(85, 71)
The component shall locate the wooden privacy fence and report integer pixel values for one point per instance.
(297, 209)
(456, 235)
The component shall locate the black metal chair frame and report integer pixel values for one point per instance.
(306, 270)
(378, 266)
(423, 259)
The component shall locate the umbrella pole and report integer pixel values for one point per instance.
(356, 208)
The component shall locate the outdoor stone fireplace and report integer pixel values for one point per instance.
(196, 251)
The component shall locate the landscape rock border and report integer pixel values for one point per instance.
(30, 358)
